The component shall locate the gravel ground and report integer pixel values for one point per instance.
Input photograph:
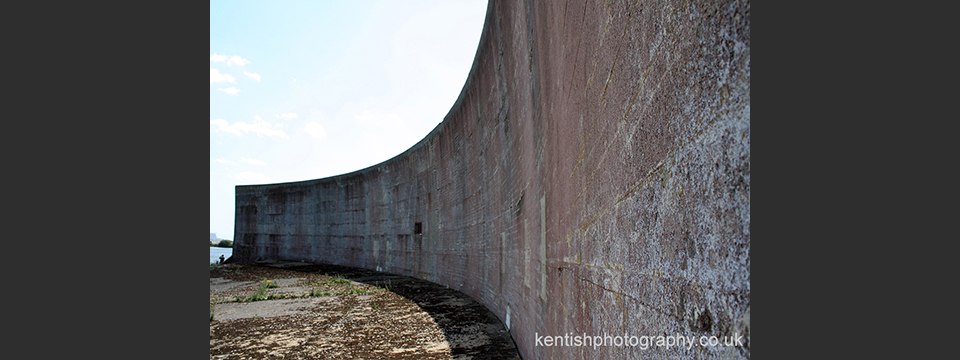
(330, 312)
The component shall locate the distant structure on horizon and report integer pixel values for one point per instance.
(213, 236)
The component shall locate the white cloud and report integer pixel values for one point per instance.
(223, 125)
(237, 60)
(289, 115)
(254, 76)
(252, 161)
(218, 58)
(316, 130)
(250, 177)
(216, 76)
(230, 90)
(222, 160)
(259, 127)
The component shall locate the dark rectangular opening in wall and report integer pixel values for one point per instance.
(418, 228)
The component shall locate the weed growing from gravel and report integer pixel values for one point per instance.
(353, 291)
(337, 280)
(388, 286)
(317, 292)
(261, 293)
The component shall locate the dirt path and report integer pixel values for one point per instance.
(315, 311)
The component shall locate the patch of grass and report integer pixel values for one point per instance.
(336, 280)
(214, 266)
(317, 292)
(213, 306)
(353, 291)
(261, 293)
(273, 297)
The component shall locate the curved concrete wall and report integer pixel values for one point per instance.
(592, 178)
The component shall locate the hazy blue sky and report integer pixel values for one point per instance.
(302, 90)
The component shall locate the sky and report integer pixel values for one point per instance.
(302, 90)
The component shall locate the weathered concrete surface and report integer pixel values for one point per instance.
(592, 178)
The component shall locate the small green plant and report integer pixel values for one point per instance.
(275, 296)
(214, 266)
(213, 306)
(337, 280)
(317, 292)
(261, 293)
(353, 291)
